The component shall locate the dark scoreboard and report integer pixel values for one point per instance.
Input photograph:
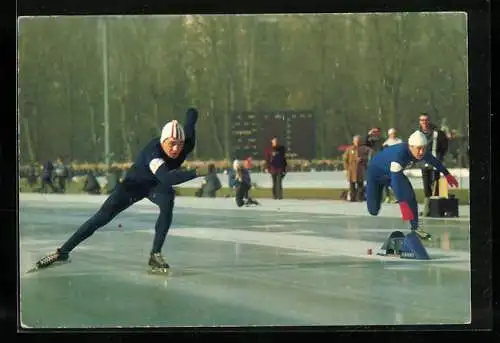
(252, 133)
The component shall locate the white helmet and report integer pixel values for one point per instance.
(172, 130)
(417, 138)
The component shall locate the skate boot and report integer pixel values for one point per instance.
(251, 201)
(423, 235)
(158, 264)
(49, 260)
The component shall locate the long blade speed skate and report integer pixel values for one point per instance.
(157, 264)
(55, 259)
(423, 235)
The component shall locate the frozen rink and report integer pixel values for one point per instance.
(288, 262)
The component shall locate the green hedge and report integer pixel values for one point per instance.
(261, 193)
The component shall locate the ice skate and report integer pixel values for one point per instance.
(423, 235)
(50, 260)
(251, 201)
(157, 264)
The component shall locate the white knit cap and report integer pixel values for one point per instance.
(391, 130)
(172, 129)
(417, 138)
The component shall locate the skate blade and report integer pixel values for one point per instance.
(159, 271)
(55, 264)
(425, 237)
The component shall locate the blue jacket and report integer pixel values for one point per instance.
(390, 163)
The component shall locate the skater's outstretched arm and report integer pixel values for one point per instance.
(170, 177)
(190, 129)
(429, 158)
(433, 161)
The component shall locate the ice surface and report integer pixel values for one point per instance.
(287, 262)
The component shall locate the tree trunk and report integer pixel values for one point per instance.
(29, 143)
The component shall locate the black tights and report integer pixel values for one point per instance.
(118, 201)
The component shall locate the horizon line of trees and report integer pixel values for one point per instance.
(356, 71)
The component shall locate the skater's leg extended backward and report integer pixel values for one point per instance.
(119, 200)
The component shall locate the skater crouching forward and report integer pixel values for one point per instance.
(152, 175)
(386, 168)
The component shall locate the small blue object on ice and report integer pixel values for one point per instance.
(407, 247)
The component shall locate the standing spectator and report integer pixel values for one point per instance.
(391, 140)
(437, 145)
(47, 173)
(373, 140)
(32, 175)
(61, 175)
(276, 165)
(355, 164)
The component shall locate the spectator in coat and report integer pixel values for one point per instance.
(392, 138)
(355, 164)
(437, 145)
(373, 140)
(210, 184)
(239, 180)
(276, 165)
(32, 175)
(61, 175)
(47, 174)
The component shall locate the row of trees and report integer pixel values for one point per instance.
(355, 71)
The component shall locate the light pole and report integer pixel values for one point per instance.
(105, 90)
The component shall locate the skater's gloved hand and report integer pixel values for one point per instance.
(202, 171)
(405, 211)
(451, 180)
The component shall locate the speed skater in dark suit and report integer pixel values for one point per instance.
(386, 168)
(152, 175)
